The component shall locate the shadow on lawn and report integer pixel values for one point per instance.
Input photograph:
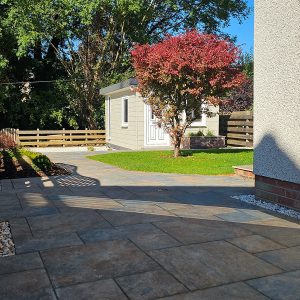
(214, 151)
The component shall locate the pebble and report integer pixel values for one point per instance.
(7, 246)
(270, 206)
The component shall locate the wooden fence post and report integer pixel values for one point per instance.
(37, 140)
(86, 136)
(64, 140)
(17, 136)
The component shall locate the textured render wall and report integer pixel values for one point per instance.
(131, 137)
(277, 89)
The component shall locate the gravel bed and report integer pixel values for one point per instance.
(269, 206)
(7, 246)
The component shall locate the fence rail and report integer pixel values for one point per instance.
(240, 129)
(48, 138)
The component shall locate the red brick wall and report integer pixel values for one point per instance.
(244, 173)
(278, 191)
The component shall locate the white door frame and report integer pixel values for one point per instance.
(164, 141)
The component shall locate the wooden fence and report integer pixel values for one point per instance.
(240, 129)
(58, 138)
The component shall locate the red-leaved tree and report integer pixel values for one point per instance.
(179, 76)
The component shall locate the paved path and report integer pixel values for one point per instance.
(105, 233)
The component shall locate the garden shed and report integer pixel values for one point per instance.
(130, 123)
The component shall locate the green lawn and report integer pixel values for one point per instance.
(206, 162)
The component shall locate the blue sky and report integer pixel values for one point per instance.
(245, 31)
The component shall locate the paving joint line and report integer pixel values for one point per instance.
(161, 266)
(46, 271)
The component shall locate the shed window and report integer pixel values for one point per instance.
(125, 112)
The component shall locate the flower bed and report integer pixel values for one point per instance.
(203, 142)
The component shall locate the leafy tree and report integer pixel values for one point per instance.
(91, 38)
(241, 97)
(180, 75)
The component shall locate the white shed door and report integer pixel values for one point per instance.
(154, 135)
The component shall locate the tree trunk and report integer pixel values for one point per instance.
(177, 143)
(176, 151)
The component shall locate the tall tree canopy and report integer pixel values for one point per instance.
(181, 75)
(241, 97)
(90, 39)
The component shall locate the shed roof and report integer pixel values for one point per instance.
(119, 86)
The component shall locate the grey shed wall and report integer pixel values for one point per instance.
(131, 137)
(277, 90)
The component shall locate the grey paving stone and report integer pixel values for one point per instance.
(150, 285)
(234, 291)
(102, 289)
(21, 262)
(32, 244)
(79, 264)
(237, 216)
(209, 264)
(287, 259)
(117, 193)
(27, 212)
(195, 211)
(287, 235)
(201, 230)
(118, 218)
(9, 202)
(96, 235)
(20, 229)
(284, 286)
(135, 229)
(66, 222)
(34, 200)
(86, 202)
(27, 285)
(151, 241)
(255, 243)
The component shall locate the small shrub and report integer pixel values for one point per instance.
(40, 160)
(6, 142)
(210, 133)
(199, 133)
(91, 148)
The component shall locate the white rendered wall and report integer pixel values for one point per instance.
(277, 89)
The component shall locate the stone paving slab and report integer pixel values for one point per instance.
(255, 243)
(66, 222)
(101, 289)
(18, 263)
(47, 242)
(287, 259)
(79, 264)
(154, 241)
(35, 200)
(33, 285)
(150, 285)
(29, 212)
(287, 233)
(234, 291)
(210, 264)
(284, 286)
(103, 232)
(97, 235)
(188, 232)
(118, 218)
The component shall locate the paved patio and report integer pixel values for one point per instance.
(105, 233)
